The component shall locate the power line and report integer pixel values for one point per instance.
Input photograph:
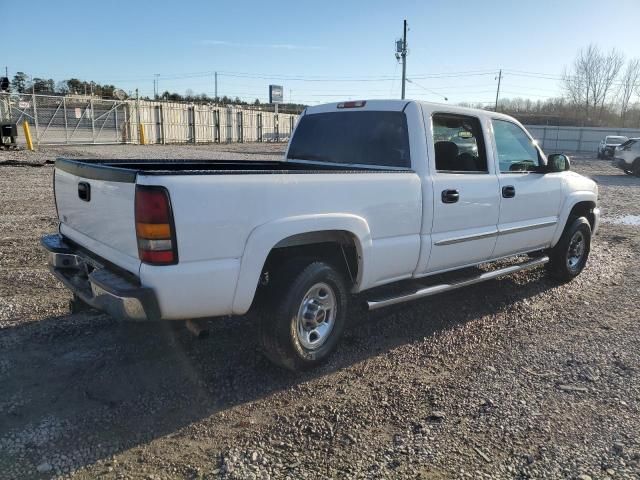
(511, 92)
(427, 89)
(395, 70)
(263, 76)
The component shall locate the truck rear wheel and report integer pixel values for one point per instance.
(569, 257)
(305, 315)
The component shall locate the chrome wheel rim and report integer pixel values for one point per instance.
(316, 316)
(577, 247)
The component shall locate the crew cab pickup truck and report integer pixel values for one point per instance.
(370, 194)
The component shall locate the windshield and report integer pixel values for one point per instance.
(353, 138)
(616, 140)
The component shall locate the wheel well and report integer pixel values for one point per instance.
(584, 209)
(336, 247)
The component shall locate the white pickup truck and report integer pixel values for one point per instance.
(370, 193)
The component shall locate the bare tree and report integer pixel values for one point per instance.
(588, 82)
(629, 84)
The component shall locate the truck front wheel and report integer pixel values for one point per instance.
(305, 317)
(569, 257)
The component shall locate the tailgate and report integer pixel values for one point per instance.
(96, 209)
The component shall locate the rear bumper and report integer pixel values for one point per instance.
(97, 285)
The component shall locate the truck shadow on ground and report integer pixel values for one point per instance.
(96, 385)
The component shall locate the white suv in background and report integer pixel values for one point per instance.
(608, 145)
(627, 156)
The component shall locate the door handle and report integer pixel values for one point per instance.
(450, 196)
(509, 191)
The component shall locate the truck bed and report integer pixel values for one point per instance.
(124, 170)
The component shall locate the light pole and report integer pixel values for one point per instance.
(401, 54)
(499, 78)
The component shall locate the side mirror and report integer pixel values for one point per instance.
(558, 162)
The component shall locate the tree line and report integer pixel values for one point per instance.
(600, 88)
(23, 83)
(192, 97)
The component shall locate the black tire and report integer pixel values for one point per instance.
(569, 257)
(286, 334)
(635, 169)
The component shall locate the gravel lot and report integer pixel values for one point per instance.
(516, 378)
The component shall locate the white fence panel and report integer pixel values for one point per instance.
(555, 139)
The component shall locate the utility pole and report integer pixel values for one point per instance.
(215, 76)
(498, 91)
(156, 85)
(403, 54)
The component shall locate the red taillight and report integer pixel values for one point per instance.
(154, 226)
(354, 104)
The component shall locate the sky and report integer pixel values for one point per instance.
(318, 51)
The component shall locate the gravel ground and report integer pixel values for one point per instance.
(516, 378)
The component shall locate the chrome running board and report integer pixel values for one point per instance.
(445, 287)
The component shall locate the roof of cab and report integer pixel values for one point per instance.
(396, 105)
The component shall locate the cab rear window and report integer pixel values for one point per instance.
(353, 138)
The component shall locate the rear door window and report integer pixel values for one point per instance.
(458, 144)
(353, 138)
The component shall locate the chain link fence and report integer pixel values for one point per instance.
(68, 119)
(82, 119)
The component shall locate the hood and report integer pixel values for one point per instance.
(575, 181)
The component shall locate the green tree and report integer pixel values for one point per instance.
(20, 82)
(43, 85)
(76, 86)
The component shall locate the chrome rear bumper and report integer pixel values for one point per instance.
(97, 285)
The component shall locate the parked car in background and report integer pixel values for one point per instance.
(626, 157)
(608, 145)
